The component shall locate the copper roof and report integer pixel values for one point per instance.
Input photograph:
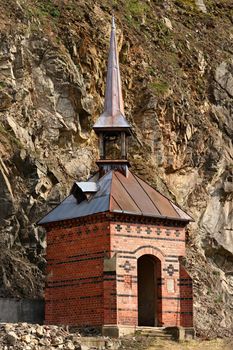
(113, 115)
(116, 193)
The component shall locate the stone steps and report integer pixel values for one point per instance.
(155, 332)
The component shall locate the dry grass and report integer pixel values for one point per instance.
(217, 344)
(144, 343)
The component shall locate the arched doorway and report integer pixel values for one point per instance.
(148, 274)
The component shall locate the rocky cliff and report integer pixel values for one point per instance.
(177, 68)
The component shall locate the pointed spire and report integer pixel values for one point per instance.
(113, 22)
(113, 117)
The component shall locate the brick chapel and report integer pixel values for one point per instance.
(114, 245)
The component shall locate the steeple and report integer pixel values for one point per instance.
(112, 126)
(113, 117)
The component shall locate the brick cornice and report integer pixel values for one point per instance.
(124, 218)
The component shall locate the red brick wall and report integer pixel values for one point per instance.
(130, 241)
(186, 294)
(83, 290)
(74, 291)
(110, 311)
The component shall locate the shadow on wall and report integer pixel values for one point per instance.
(186, 298)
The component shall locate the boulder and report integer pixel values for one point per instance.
(11, 338)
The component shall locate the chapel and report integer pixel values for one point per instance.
(115, 244)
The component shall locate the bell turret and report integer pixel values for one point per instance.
(112, 127)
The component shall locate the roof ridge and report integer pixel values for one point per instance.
(165, 197)
(104, 175)
(177, 206)
(129, 193)
(147, 193)
(110, 207)
(95, 195)
(110, 194)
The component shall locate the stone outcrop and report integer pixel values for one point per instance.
(201, 5)
(177, 68)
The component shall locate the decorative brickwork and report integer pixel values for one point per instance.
(83, 288)
(166, 248)
(170, 269)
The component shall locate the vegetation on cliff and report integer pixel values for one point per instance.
(176, 61)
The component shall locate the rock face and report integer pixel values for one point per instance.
(177, 68)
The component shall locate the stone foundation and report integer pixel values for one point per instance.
(181, 333)
(116, 331)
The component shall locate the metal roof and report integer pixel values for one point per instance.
(118, 194)
(113, 115)
(133, 195)
(69, 208)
